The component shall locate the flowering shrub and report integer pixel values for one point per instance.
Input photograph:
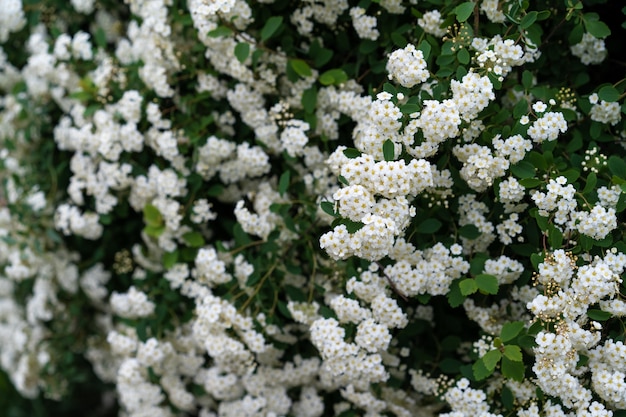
(312, 208)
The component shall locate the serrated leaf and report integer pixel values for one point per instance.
(429, 226)
(242, 50)
(598, 315)
(328, 208)
(510, 330)
(455, 298)
(409, 108)
(300, 67)
(513, 353)
(283, 182)
(487, 283)
(351, 153)
(193, 239)
(480, 370)
(425, 47)
(468, 286)
(464, 10)
(270, 27)
(608, 93)
(512, 369)
(469, 231)
(389, 150)
(491, 359)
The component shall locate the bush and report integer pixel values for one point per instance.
(297, 208)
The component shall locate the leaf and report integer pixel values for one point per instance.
(512, 369)
(491, 359)
(300, 67)
(510, 330)
(429, 226)
(152, 216)
(617, 166)
(220, 31)
(270, 27)
(242, 50)
(351, 153)
(455, 298)
(513, 353)
(468, 286)
(194, 239)
(608, 93)
(508, 400)
(389, 150)
(283, 182)
(333, 77)
(523, 169)
(309, 99)
(169, 259)
(530, 182)
(469, 231)
(487, 283)
(555, 236)
(464, 10)
(425, 47)
(528, 20)
(597, 28)
(480, 370)
(328, 208)
(598, 315)
(592, 180)
(463, 56)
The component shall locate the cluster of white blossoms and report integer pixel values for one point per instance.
(431, 23)
(12, 18)
(570, 291)
(547, 127)
(407, 66)
(364, 25)
(603, 111)
(590, 49)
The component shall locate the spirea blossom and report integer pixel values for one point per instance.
(407, 66)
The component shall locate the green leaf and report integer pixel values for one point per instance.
(469, 231)
(598, 315)
(309, 99)
(455, 297)
(491, 359)
(468, 286)
(335, 76)
(154, 231)
(242, 50)
(169, 259)
(510, 330)
(597, 28)
(480, 370)
(513, 352)
(487, 283)
(152, 216)
(555, 236)
(425, 47)
(463, 56)
(351, 153)
(608, 93)
(464, 10)
(523, 169)
(617, 166)
(592, 180)
(389, 150)
(429, 226)
(300, 67)
(270, 27)
(283, 182)
(398, 40)
(528, 20)
(220, 31)
(193, 239)
(530, 182)
(409, 108)
(328, 208)
(512, 369)
(508, 400)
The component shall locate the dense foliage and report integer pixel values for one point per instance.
(312, 208)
